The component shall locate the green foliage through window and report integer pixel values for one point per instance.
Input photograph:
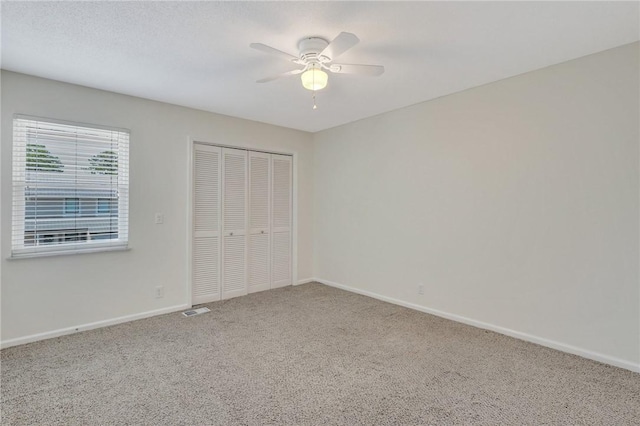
(40, 159)
(105, 163)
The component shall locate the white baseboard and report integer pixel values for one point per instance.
(89, 326)
(304, 281)
(605, 359)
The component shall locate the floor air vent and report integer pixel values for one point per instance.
(194, 312)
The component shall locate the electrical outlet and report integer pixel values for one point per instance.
(159, 292)
(159, 218)
(420, 288)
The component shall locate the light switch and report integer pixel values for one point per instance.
(159, 218)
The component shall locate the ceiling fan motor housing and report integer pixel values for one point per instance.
(311, 47)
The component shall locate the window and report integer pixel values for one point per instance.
(71, 206)
(70, 188)
(103, 206)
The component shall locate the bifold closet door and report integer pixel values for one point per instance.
(206, 224)
(234, 223)
(281, 190)
(259, 219)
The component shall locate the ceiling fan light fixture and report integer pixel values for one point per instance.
(314, 79)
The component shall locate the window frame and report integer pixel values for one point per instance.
(122, 188)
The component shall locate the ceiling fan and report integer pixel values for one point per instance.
(316, 55)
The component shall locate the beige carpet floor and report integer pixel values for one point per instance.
(307, 355)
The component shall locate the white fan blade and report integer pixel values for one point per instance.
(279, 53)
(372, 70)
(339, 45)
(275, 77)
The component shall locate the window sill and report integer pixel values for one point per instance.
(25, 254)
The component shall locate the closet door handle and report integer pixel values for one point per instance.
(231, 234)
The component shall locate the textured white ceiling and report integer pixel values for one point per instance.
(197, 53)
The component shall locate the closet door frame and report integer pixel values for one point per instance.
(191, 196)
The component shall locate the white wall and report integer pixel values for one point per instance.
(515, 203)
(46, 294)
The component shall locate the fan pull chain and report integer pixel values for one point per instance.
(314, 92)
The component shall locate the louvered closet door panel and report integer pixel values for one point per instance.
(234, 220)
(206, 224)
(259, 263)
(259, 173)
(235, 281)
(206, 270)
(281, 189)
(259, 213)
(281, 194)
(281, 259)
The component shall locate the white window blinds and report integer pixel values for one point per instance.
(70, 188)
